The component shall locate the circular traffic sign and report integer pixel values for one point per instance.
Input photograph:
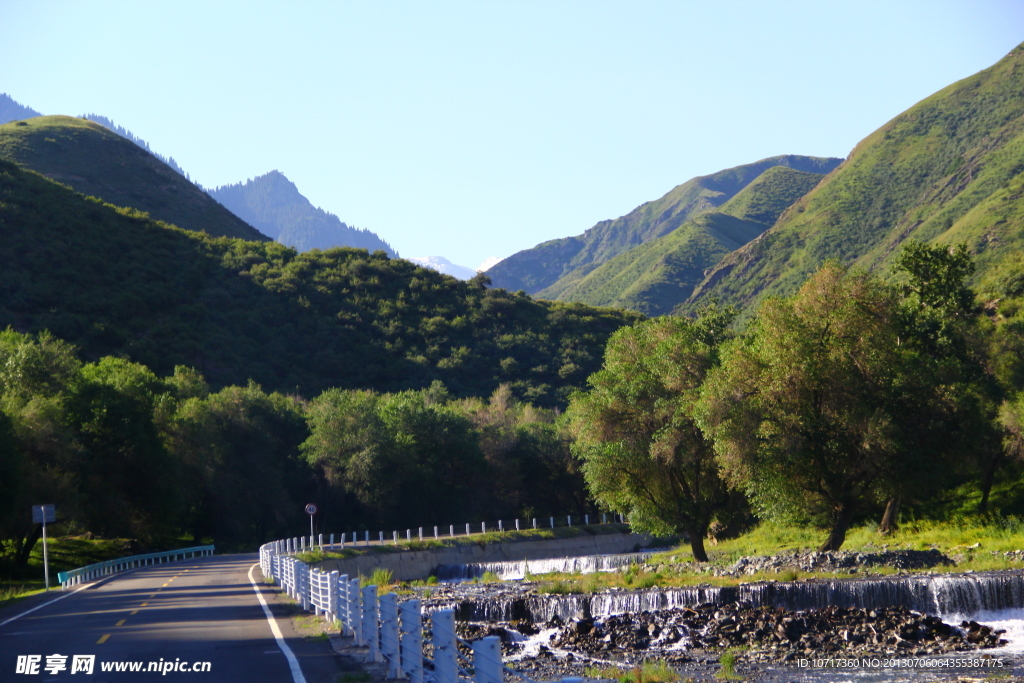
(311, 509)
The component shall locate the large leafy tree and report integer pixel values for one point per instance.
(957, 417)
(804, 410)
(642, 451)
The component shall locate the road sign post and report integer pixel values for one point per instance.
(311, 510)
(41, 514)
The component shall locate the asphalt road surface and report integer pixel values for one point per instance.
(201, 614)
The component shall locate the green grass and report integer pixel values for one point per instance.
(13, 593)
(975, 543)
(649, 671)
(382, 578)
(354, 677)
(728, 671)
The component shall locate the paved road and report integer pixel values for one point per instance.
(201, 610)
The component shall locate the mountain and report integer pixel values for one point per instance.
(950, 169)
(443, 265)
(128, 135)
(114, 282)
(94, 161)
(12, 111)
(274, 206)
(660, 274)
(571, 258)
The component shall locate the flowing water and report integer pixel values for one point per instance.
(520, 569)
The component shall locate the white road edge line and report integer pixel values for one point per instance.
(48, 602)
(293, 663)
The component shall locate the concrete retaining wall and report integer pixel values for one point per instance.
(418, 564)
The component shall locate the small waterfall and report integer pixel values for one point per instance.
(960, 594)
(519, 569)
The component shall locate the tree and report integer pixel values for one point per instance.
(802, 410)
(39, 454)
(941, 323)
(635, 431)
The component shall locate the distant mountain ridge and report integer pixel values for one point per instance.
(443, 265)
(551, 266)
(273, 205)
(13, 111)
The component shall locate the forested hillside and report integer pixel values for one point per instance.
(272, 204)
(948, 170)
(549, 268)
(97, 162)
(114, 282)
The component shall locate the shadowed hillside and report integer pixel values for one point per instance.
(114, 282)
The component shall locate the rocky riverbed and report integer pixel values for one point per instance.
(764, 643)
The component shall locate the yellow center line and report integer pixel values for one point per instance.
(120, 623)
(153, 595)
(103, 639)
(143, 604)
(165, 584)
(133, 612)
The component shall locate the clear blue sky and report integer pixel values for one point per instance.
(476, 129)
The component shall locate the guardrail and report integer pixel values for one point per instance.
(391, 631)
(95, 571)
(303, 543)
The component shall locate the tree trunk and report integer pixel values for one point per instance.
(890, 522)
(30, 542)
(840, 523)
(697, 544)
(988, 477)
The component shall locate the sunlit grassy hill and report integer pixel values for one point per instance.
(950, 169)
(97, 162)
(549, 268)
(660, 274)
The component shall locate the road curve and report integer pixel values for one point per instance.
(181, 616)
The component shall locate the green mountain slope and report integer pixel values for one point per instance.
(115, 282)
(943, 171)
(272, 204)
(97, 162)
(542, 266)
(658, 275)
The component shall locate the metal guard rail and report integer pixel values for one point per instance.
(94, 571)
(391, 631)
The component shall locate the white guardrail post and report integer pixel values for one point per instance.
(446, 665)
(370, 627)
(389, 642)
(487, 660)
(411, 623)
(355, 612)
